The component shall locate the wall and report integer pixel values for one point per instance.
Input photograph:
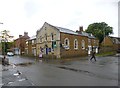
(73, 52)
(47, 29)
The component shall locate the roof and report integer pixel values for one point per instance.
(65, 30)
(33, 37)
(115, 40)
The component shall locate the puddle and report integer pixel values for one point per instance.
(24, 64)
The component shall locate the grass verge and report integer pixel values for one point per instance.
(106, 54)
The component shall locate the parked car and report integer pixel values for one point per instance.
(118, 51)
(10, 54)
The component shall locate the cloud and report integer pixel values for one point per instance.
(29, 15)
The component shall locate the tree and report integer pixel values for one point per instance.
(99, 30)
(5, 38)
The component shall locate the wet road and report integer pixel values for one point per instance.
(77, 72)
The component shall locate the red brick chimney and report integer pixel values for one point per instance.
(80, 30)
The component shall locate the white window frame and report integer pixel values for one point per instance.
(75, 44)
(83, 44)
(68, 43)
(26, 43)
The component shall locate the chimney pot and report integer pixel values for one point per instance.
(20, 36)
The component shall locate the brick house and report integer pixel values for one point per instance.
(30, 48)
(19, 44)
(111, 42)
(63, 42)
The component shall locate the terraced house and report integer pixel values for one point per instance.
(30, 48)
(19, 47)
(62, 42)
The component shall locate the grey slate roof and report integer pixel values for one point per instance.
(65, 30)
(33, 37)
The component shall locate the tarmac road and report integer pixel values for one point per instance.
(77, 72)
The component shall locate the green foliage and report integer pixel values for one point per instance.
(6, 46)
(106, 54)
(99, 30)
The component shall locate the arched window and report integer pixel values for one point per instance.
(83, 44)
(66, 43)
(75, 44)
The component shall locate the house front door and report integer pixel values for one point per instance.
(89, 50)
(46, 50)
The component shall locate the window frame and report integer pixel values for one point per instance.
(83, 44)
(75, 44)
(68, 43)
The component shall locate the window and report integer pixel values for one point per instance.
(83, 44)
(66, 43)
(94, 41)
(45, 28)
(75, 44)
(89, 41)
(40, 39)
(46, 37)
(26, 43)
(33, 42)
(52, 36)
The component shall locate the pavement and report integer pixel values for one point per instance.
(25, 71)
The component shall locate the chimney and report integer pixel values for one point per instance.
(81, 29)
(20, 36)
(25, 33)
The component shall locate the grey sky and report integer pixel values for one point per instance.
(29, 15)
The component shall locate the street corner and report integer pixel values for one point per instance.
(13, 77)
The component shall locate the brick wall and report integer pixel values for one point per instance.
(73, 52)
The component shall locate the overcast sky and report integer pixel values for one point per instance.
(29, 15)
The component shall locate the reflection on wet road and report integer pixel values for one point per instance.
(77, 72)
